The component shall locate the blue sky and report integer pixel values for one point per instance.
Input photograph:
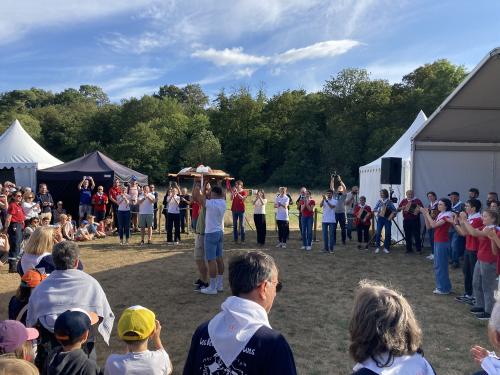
(131, 47)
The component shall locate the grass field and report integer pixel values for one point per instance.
(312, 311)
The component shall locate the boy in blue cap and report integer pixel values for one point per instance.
(71, 330)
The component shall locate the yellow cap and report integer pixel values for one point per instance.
(136, 323)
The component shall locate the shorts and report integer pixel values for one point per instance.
(145, 220)
(84, 210)
(134, 208)
(199, 247)
(213, 245)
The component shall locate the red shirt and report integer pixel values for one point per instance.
(195, 210)
(306, 212)
(114, 192)
(99, 202)
(17, 213)
(441, 232)
(407, 215)
(498, 257)
(368, 215)
(471, 242)
(238, 204)
(484, 252)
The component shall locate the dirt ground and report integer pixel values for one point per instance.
(312, 311)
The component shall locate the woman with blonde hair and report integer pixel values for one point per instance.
(385, 335)
(39, 245)
(15, 366)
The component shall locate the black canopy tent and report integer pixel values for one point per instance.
(62, 180)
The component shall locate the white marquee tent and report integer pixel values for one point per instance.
(20, 152)
(459, 145)
(369, 174)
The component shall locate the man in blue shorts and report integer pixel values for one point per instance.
(214, 236)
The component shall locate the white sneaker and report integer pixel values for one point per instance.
(220, 288)
(308, 248)
(208, 291)
(386, 251)
(279, 244)
(176, 242)
(430, 257)
(283, 245)
(302, 248)
(377, 250)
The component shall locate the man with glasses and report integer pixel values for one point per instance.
(14, 224)
(239, 339)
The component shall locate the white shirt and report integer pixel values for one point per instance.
(329, 213)
(407, 364)
(259, 207)
(214, 218)
(29, 261)
(122, 204)
(30, 209)
(146, 207)
(173, 204)
(282, 212)
(155, 362)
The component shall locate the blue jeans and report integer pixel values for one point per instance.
(441, 250)
(457, 243)
(328, 240)
(382, 222)
(307, 224)
(213, 243)
(124, 224)
(431, 238)
(239, 216)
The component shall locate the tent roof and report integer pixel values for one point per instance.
(20, 150)
(471, 113)
(95, 162)
(402, 147)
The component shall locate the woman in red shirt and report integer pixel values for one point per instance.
(99, 201)
(485, 272)
(307, 212)
(14, 225)
(441, 244)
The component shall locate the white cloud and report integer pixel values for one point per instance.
(135, 44)
(229, 56)
(329, 48)
(236, 56)
(17, 18)
(134, 77)
(245, 72)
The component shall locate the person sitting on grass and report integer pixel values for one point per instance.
(92, 228)
(18, 305)
(71, 330)
(30, 228)
(384, 333)
(136, 327)
(239, 339)
(489, 361)
(82, 234)
(109, 228)
(66, 227)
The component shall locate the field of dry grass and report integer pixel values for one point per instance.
(312, 311)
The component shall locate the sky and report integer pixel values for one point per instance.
(132, 47)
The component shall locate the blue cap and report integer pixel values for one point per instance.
(133, 178)
(85, 222)
(71, 325)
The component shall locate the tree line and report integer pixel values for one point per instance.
(291, 138)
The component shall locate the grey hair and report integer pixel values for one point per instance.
(249, 270)
(65, 254)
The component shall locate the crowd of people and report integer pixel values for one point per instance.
(64, 307)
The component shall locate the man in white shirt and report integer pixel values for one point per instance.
(146, 213)
(328, 224)
(214, 236)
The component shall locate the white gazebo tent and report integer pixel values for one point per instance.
(459, 145)
(20, 152)
(369, 174)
